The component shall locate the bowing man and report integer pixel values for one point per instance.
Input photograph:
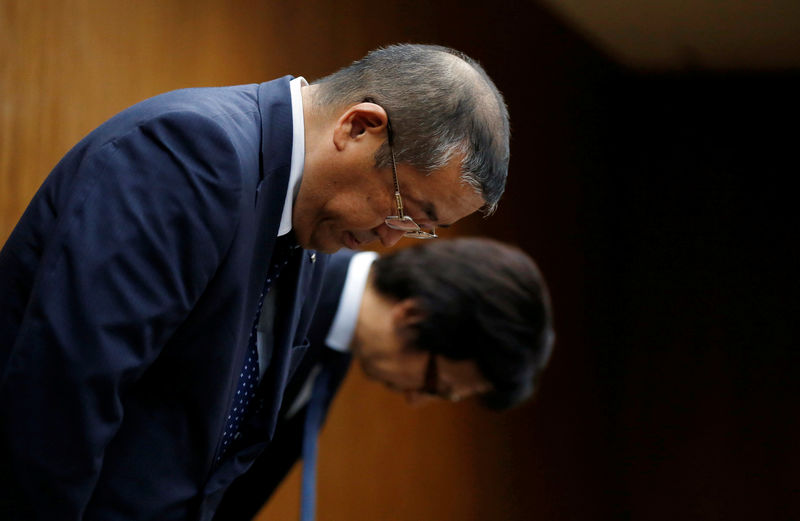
(444, 320)
(156, 294)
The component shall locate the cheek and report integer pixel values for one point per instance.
(367, 208)
(329, 221)
(321, 235)
(369, 202)
(339, 212)
(399, 373)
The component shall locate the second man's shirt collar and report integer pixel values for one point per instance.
(343, 327)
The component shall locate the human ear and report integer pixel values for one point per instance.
(360, 120)
(407, 312)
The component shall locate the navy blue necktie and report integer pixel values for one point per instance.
(316, 406)
(248, 378)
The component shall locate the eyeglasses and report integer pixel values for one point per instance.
(430, 386)
(431, 383)
(402, 222)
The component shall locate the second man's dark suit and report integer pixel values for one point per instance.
(249, 492)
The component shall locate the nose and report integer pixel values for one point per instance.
(388, 236)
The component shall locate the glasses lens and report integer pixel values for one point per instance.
(419, 234)
(404, 224)
(431, 376)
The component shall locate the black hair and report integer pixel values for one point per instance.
(482, 300)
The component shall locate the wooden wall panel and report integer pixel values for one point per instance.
(69, 65)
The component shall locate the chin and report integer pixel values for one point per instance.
(369, 371)
(323, 240)
(314, 243)
(327, 248)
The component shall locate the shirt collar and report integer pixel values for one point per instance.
(343, 327)
(298, 154)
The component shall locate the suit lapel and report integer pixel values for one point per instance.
(274, 101)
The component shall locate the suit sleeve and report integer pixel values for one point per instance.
(147, 220)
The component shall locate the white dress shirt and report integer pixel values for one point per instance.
(265, 321)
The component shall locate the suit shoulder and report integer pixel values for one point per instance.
(211, 102)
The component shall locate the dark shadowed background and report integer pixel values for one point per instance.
(653, 155)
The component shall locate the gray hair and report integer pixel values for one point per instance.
(440, 103)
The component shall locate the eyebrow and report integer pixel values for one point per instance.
(430, 211)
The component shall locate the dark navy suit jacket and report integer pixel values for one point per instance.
(127, 294)
(249, 492)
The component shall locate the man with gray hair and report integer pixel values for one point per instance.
(156, 295)
(409, 111)
(442, 105)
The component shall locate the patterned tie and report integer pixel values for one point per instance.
(313, 421)
(248, 377)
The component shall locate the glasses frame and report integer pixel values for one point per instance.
(430, 385)
(401, 221)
